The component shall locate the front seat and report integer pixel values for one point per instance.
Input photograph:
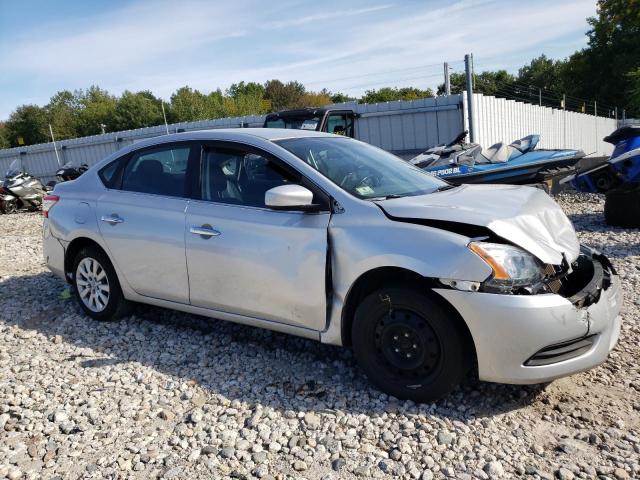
(148, 177)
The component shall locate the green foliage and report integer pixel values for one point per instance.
(388, 94)
(188, 105)
(29, 124)
(96, 108)
(487, 83)
(4, 139)
(250, 89)
(283, 95)
(341, 98)
(544, 73)
(62, 114)
(136, 110)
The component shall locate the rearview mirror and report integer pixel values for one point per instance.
(289, 197)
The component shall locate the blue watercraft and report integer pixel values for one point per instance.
(516, 163)
(618, 178)
(622, 168)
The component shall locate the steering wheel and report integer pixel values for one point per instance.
(369, 181)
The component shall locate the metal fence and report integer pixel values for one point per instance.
(498, 119)
(402, 127)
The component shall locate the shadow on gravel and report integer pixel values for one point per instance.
(238, 362)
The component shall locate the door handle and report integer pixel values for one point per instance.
(205, 231)
(112, 219)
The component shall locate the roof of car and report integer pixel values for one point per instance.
(232, 134)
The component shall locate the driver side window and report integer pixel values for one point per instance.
(241, 177)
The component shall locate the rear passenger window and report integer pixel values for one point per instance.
(160, 172)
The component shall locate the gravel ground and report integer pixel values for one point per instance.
(165, 394)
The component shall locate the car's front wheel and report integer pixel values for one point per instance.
(409, 345)
(96, 285)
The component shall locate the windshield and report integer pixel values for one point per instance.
(14, 169)
(298, 123)
(362, 170)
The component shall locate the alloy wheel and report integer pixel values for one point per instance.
(93, 284)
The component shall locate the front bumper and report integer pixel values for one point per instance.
(510, 330)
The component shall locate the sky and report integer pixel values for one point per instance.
(348, 46)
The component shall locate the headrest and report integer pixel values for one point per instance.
(151, 167)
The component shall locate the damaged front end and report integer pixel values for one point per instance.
(581, 281)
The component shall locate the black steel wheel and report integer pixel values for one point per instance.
(409, 345)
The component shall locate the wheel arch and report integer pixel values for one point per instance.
(381, 277)
(72, 250)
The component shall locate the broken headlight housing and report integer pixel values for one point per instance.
(513, 268)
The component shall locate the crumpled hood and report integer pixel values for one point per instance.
(525, 216)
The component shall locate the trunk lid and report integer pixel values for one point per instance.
(525, 216)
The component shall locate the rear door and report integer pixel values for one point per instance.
(142, 218)
(245, 258)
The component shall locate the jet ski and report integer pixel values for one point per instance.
(618, 178)
(516, 163)
(622, 168)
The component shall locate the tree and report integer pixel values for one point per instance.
(487, 83)
(312, 99)
(62, 113)
(601, 70)
(97, 108)
(634, 93)
(136, 110)
(542, 72)
(4, 139)
(389, 94)
(282, 95)
(27, 125)
(341, 98)
(251, 89)
(188, 105)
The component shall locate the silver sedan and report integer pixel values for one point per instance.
(329, 238)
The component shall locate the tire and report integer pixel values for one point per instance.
(409, 346)
(8, 207)
(622, 208)
(107, 304)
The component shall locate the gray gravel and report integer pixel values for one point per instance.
(164, 394)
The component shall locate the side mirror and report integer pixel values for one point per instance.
(289, 197)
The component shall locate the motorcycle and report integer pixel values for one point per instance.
(67, 172)
(20, 190)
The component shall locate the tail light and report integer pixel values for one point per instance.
(47, 204)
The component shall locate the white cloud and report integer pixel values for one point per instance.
(164, 45)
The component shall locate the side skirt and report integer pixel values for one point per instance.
(230, 317)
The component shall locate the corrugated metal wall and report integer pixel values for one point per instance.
(40, 160)
(402, 127)
(498, 119)
(407, 128)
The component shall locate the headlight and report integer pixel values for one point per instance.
(512, 266)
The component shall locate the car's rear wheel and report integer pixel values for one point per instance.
(409, 345)
(97, 286)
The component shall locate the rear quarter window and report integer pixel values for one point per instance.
(110, 174)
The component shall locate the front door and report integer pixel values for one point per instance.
(142, 222)
(246, 259)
